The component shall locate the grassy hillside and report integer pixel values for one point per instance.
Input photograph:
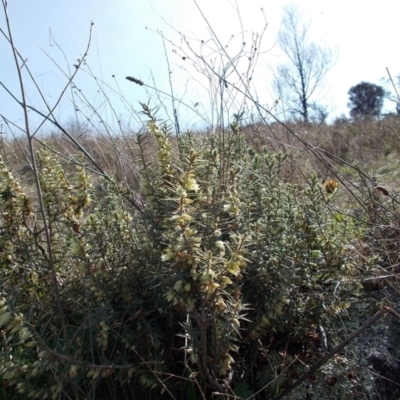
(206, 263)
(238, 261)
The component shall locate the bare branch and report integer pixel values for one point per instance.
(308, 63)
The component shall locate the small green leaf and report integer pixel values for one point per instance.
(338, 217)
(242, 391)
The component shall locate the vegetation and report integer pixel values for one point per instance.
(170, 290)
(392, 95)
(299, 79)
(163, 264)
(366, 100)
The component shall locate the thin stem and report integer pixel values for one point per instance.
(37, 182)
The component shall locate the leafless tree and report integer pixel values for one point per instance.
(297, 80)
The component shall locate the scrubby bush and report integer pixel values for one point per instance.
(168, 292)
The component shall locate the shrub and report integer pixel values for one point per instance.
(169, 296)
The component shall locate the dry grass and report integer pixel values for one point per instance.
(361, 155)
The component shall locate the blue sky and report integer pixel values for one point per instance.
(127, 41)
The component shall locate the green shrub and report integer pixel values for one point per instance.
(166, 292)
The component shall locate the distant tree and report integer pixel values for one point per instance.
(319, 113)
(365, 100)
(308, 63)
(393, 93)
